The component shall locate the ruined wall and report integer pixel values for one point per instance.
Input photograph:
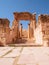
(39, 30)
(4, 31)
(38, 34)
(42, 30)
(32, 25)
(45, 29)
(14, 33)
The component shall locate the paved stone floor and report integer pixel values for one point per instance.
(24, 55)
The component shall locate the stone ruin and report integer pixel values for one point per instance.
(38, 31)
(41, 32)
(4, 31)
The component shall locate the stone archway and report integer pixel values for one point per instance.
(24, 16)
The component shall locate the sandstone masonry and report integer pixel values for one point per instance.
(37, 30)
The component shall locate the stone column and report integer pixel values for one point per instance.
(31, 28)
(28, 31)
(15, 28)
(34, 21)
(33, 25)
(20, 30)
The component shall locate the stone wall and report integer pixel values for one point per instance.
(42, 30)
(45, 28)
(4, 31)
(38, 34)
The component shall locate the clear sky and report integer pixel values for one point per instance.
(7, 7)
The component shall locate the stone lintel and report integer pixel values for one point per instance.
(23, 16)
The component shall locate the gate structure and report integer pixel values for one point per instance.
(24, 16)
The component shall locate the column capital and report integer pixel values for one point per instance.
(29, 24)
(21, 24)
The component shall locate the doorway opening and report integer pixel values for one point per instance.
(24, 24)
(24, 28)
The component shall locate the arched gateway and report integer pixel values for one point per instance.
(24, 16)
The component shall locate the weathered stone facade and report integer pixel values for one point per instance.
(4, 31)
(39, 31)
(42, 30)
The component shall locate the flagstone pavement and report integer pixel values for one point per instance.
(24, 55)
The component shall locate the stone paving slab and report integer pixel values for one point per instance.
(41, 54)
(24, 56)
(31, 64)
(15, 52)
(26, 59)
(4, 51)
(6, 61)
(44, 63)
(27, 50)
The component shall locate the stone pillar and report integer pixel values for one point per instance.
(28, 31)
(20, 30)
(33, 24)
(31, 28)
(15, 28)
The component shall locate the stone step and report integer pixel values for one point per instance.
(25, 45)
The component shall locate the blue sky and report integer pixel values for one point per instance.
(7, 7)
